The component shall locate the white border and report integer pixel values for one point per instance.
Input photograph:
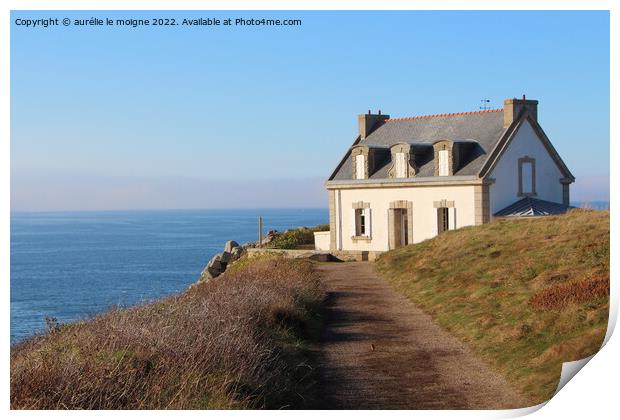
(593, 394)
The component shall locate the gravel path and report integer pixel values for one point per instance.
(379, 351)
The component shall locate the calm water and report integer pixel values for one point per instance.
(72, 265)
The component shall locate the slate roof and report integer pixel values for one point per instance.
(478, 131)
(529, 206)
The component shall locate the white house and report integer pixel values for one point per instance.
(405, 180)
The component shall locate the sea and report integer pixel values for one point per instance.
(74, 265)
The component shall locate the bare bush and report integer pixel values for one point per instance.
(234, 342)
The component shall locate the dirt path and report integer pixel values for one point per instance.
(379, 351)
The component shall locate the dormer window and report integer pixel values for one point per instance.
(360, 156)
(444, 156)
(401, 161)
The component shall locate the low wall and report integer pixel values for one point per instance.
(318, 255)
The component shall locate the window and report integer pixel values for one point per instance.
(527, 176)
(443, 163)
(362, 222)
(400, 165)
(442, 219)
(446, 219)
(360, 167)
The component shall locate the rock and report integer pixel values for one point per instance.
(228, 247)
(216, 263)
(225, 257)
(213, 273)
(236, 253)
(207, 275)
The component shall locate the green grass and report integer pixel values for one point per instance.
(526, 294)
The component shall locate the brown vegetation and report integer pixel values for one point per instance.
(234, 342)
(526, 294)
(559, 296)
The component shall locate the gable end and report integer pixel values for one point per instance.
(506, 139)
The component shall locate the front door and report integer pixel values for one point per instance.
(400, 228)
(399, 224)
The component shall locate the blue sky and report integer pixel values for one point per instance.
(199, 117)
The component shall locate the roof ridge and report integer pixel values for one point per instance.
(485, 111)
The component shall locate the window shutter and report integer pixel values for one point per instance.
(360, 166)
(367, 219)
(400, 165)
(443, 163)
(354, 223)
(452, 218)
(435, 223)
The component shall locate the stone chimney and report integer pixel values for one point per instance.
(513, 108)
(370, 122)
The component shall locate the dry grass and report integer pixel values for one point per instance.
(235, 342)
(559, 296)
(526, 294)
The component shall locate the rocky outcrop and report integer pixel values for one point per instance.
(218, 264)
(228, 247)
(236, 252)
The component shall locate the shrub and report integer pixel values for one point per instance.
(294, 238)
(233, 342)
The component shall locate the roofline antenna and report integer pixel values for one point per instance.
(485, 104)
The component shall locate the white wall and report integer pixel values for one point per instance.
(321, 241)
(506, 173)
(424, 213)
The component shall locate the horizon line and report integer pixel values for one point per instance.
(167, 209)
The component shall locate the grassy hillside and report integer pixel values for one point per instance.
(526, 294)
(235, 342)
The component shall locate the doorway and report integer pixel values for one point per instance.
(402, 226)
(399, 228)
